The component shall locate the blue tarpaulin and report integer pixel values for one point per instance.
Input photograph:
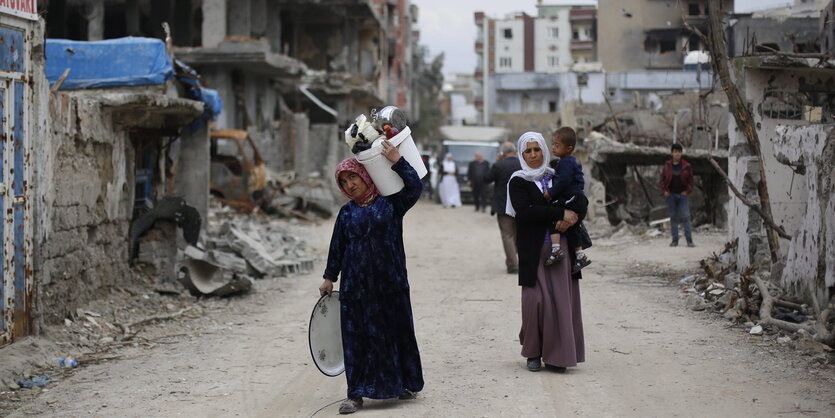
(114, 62)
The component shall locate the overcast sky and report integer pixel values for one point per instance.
(448, 26)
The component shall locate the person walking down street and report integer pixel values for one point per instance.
(552, 324)
(677, 184)
(448, 188)
(366, 251)
(475, 177)
(507, 163)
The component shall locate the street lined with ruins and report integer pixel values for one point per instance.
(647, 355)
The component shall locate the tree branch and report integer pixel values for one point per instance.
(621, 138)
(744, 119)
(765, 311)
(766, 218)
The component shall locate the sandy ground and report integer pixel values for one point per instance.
(646, 354)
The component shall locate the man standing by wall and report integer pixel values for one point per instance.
(677, 184)
(507, 163)
(475, 177)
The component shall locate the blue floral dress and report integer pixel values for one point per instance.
(378, 336)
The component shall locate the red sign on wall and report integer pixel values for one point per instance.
(23, 8)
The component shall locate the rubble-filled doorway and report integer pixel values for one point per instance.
(16, 231)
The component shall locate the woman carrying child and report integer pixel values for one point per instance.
(552, 324)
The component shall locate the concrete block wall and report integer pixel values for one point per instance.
(83, 242)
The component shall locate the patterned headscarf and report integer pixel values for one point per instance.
(541, 175)
(354, 166)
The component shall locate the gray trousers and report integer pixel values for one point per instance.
(507, 228)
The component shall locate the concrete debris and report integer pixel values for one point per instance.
(237, 249)
(308, 199)
(203, 278)
(736, 295)
(696, 302)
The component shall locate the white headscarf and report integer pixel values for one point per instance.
(527, 173)
(448, 164)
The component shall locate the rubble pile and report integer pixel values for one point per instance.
(236, 249)
(749, 298)
(308, 199)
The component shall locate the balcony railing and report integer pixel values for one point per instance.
(578, 45)
(582, 14)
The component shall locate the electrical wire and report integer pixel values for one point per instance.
(320, 409)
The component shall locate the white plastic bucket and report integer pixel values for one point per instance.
(379, 168)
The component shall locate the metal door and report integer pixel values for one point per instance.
(15, 235)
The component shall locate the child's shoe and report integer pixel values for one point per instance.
(556, 255)
(579, 264)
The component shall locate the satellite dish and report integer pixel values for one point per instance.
(325, 336)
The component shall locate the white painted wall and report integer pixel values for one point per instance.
(513, 48)
(547, 47)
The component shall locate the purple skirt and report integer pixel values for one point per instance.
(552, 324)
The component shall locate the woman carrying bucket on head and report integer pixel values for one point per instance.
(378, 338)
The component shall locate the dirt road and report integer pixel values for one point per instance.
(646, 354)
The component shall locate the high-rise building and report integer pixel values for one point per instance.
(561, 36)
(650, 34)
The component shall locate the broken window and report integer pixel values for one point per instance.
(508, 33)
(552, 107)
(693, 43)
(575, 35)
(660, 42)
(693, 9)
(782, 104)
(667, 45)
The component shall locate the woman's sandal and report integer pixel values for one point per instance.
(407, 394)
(349, 406)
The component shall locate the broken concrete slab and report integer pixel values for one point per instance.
(203, 278)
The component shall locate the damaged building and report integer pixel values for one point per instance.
(793, 103)
(122, 143)
(114, 175)
(290, 72)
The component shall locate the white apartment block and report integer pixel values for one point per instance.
(510, 45)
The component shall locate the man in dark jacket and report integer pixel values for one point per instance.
(677, 184)
(475, 177)
(507, 163)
